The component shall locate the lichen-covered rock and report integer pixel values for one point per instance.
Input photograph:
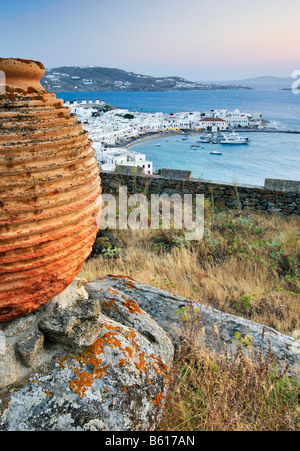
(102, 362)
(125, 310)
(23, 350)
(105, 370)
(217, 330)
(119, 383)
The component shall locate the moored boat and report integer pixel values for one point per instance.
(234, 138)
(204, 139)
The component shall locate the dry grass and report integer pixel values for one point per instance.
(218, 393)
(247, 264)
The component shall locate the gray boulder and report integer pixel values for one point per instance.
(100, 359)
(184, 320)
(86, 369)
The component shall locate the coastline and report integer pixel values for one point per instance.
(149, 136)
(156, 135)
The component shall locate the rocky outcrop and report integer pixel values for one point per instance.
(84, 366)
(49, 192)
(184, 319)
(98, 356)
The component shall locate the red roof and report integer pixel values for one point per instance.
(212, 119)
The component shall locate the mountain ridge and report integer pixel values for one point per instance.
(95, 78)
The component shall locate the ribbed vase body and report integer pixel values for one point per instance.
(49, 192)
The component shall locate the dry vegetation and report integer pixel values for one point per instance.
(229, 393)
(247, 264)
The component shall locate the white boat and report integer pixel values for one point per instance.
(204, 139)
(233, 138)
(215, 152)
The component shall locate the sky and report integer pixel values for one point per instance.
(199, 40)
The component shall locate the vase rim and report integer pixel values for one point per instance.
(22, 73)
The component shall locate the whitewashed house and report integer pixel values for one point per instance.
(237, 119)
(112, 157)
(256, 120)
(209, 122)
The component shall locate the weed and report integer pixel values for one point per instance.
(112, 252)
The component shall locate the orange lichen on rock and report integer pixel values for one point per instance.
(158, 365)
(112, 291)
(158, 399)
(84, 379)
(128, 281)
(4, 407)
(89, 364)
(142, 363)
(49, 192)
(131, 305)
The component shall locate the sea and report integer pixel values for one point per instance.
(268, 155)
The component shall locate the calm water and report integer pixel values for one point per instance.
(268, 155)
(281, 106)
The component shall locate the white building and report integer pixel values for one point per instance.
(256, 120)
(237, 119)
(210, 122)
(116, 156)
(216, 113)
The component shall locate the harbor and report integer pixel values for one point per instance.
(215, 144)
(267, 155)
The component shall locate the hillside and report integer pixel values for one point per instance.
(86, 79)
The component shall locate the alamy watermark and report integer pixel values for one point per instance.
(2, 82)
(296, 84)
(139, 211)
(2, 342)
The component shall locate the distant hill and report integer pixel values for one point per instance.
(265, 82)
(74, 78)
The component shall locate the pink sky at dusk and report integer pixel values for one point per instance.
(196, 39)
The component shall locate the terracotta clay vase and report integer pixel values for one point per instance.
(49, 192)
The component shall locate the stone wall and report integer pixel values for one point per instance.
(278, 196)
